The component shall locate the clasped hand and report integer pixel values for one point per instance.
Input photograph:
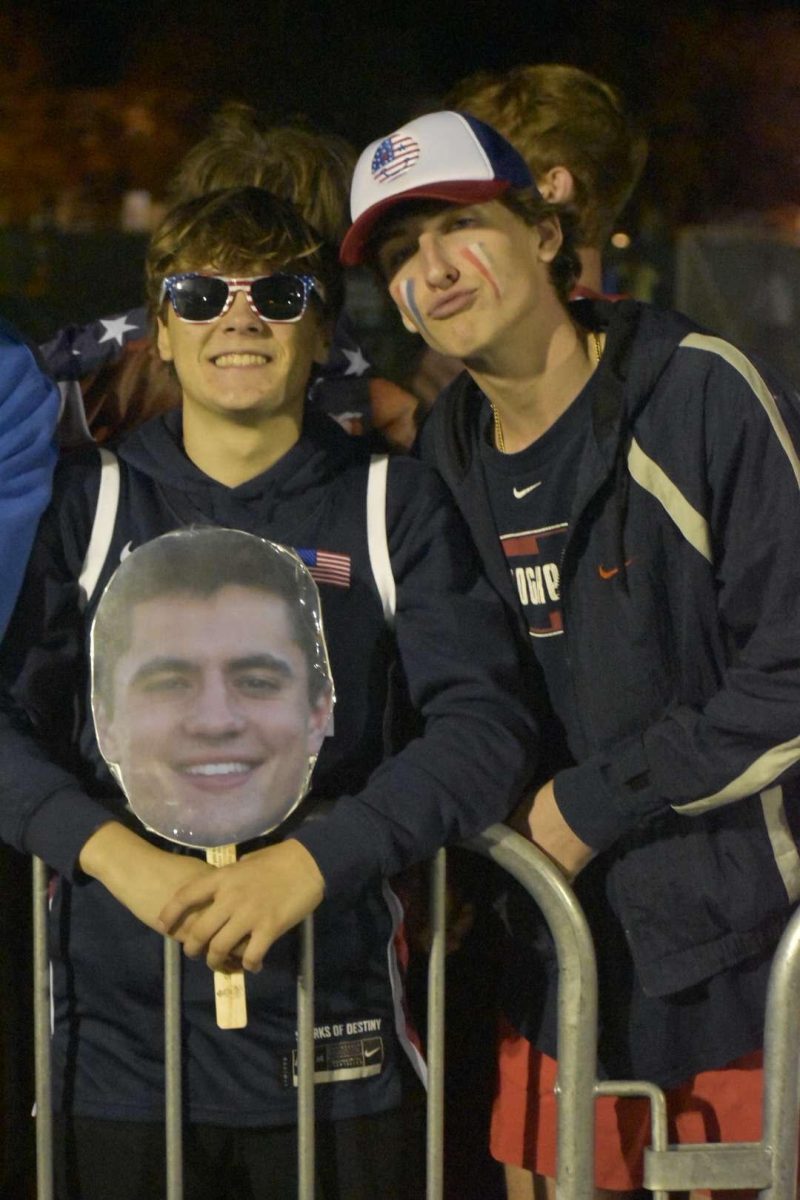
(232, 915)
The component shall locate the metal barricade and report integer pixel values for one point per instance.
(769, 1165)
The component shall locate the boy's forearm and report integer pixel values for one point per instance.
(139, 875)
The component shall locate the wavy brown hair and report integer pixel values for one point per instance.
(311, 169)
(239, 231)
(557, 115)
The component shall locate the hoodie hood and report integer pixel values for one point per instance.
(297, 483)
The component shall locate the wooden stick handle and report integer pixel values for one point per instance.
(229, 993)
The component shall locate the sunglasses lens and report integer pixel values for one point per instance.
(199, 297)
(279, 297)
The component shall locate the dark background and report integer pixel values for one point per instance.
(99, 97)
(694, 72)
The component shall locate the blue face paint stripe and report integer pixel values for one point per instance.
(411, 304)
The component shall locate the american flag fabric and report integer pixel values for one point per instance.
(76, 350)
(394, 155)
(327, 567)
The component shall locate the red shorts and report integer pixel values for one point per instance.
(713, 1106)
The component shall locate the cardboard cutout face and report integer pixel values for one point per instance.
(211, 688)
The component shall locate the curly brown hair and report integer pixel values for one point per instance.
(311, 169)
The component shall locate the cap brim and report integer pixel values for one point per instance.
(467, 191)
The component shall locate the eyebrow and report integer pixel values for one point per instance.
(248, 662)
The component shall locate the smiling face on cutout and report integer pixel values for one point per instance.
(210, 720)
(468, 279)
(239, 365)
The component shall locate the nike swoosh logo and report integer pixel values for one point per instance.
(610, 572)
(371, 1053)
(520, 492)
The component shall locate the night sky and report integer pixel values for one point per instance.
(355, 66)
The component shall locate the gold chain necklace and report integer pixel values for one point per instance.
(499, 440)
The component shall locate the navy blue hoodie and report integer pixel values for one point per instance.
(366, 816)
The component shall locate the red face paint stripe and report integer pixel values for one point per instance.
(472, 258)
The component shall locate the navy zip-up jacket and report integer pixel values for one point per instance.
(680, 587)
(365, 818)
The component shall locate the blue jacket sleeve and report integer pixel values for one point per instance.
(44, 807)
(742, 478)
(29, 404)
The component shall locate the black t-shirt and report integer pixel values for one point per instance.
(531, 494)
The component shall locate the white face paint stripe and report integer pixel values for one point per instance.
(741, 363)
(759, 775)
(654, 479)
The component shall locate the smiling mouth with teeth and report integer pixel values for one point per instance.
(241, 360)
(204, 770)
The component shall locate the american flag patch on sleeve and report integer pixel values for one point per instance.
(326, 567)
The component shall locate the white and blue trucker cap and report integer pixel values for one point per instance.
(441, 156)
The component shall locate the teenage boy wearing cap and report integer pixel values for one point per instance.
(633, 485)
(241, 291)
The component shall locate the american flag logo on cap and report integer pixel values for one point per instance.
(394, 155)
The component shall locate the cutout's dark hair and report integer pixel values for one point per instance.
(199, 563)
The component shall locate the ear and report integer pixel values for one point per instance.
(318, 721)
(163, 341)
(557, 185)
(550, 238)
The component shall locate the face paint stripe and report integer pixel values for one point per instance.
(475, 255)
(411, 304)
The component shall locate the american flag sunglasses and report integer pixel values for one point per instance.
(280, 298)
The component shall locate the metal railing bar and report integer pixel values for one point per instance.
(577, 1001)
(770, 1163)
(659, 1131)
(306, 1151)
(726, 1166)
(781, 1104)
(41, 1035)
(173, 1069)
(434, 1155)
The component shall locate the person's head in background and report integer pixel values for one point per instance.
(581, 146)
(310, 169)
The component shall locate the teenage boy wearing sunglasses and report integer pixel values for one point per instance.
(632, 484)
(241, 329)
